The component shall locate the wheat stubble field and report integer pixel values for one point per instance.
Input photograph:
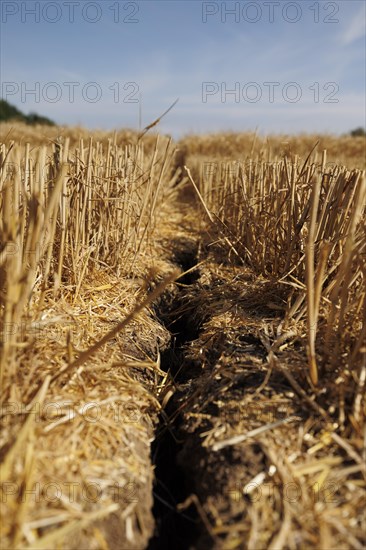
(183, 346)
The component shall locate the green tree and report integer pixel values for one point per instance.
(9, 112)
(358, 132)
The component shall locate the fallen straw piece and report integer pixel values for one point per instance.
(242, 437)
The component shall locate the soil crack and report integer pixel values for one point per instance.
(175, 528)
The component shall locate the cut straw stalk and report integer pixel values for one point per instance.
(311, 295)
(314, 285)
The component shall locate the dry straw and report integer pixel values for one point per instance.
(302, 225)
(81, 220)
(77, 234)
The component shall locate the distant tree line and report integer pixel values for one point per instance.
(9, 112)
(357, 132)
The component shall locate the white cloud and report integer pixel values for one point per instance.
(356, 28)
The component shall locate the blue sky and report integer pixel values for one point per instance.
(273, 65)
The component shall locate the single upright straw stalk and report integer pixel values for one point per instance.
(312, 293)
